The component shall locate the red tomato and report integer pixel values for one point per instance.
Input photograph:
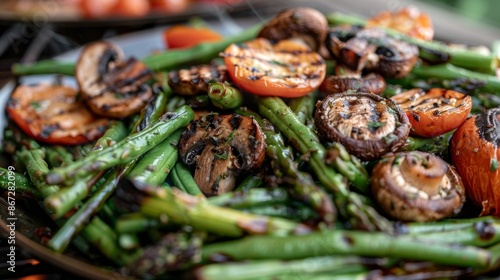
(434, 112)
(409, 20)
(170, 6)
(183, 36)
(285, 69)
(474, 150)
(97, 8)
(132, 8)
(53, 114)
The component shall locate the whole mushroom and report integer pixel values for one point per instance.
(372, 50)
(111, 86)
(417, 186)
(306, 24)
(346, 79)
(367, 124)
(220, 147)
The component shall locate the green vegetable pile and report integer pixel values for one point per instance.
(299, 217)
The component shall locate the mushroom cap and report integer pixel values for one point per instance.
(196, 79)
(368, 125)
(304, 23)
(220, 147)
(111, 86)
(373, 83)
(405, 199)
(371, 49)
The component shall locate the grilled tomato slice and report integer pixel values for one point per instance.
(53, 114)
(434, 112)
(285, 69)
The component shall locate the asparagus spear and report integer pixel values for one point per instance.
(300, 213)
(436, 145)
(303, 108)
(277, 268)
(11, 180)
(431, 50)
(304, 187)
(126, 150)
(349, 166)
(195, 211)
(224, 96)
(306, 142)
(183, 179)
(58, 155)
(348, 242)
(67, 198)
(135, 222)
(416, 228)
(78, 220)
(450, 71)
(252, 181)
(251, 198)
(154, 167)
(174, 251)
(37, 168)
(201, 53)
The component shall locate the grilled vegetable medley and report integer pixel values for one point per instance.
(313, 146)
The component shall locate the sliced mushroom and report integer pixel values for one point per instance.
(111, 86)
(345, 80)
(372, 50)
(220, 147)
(344, 45)
(195, 80)
(417, 186)
(368, 125)
(306, 24)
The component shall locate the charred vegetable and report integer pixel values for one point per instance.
(196, 79)
(371, 49)
(408, 20)
(417, 186)
(111, 86)
(366, 124)
(475, 153)
(301, 23)
(53, 114)
(220, 147)
(346, 79)
(286, 69)
(434, 112)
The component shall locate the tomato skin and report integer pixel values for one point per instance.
(183, 36)
(286, 69)
(475, 153)
(97, 8)
(132, 8)
(59, 120)
(170, 6)
(434, 112)
(408, 20)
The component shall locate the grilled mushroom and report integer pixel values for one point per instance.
(111, 86)
(346, 79)
(220, 147)
(417, 186)
(371, 49)
(368, 125)
(302, 23)
(195, 80)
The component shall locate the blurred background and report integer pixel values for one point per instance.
(32, 30)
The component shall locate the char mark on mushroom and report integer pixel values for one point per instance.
(375, 126)
(219, 148)
(195, 80)
(111, 86)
